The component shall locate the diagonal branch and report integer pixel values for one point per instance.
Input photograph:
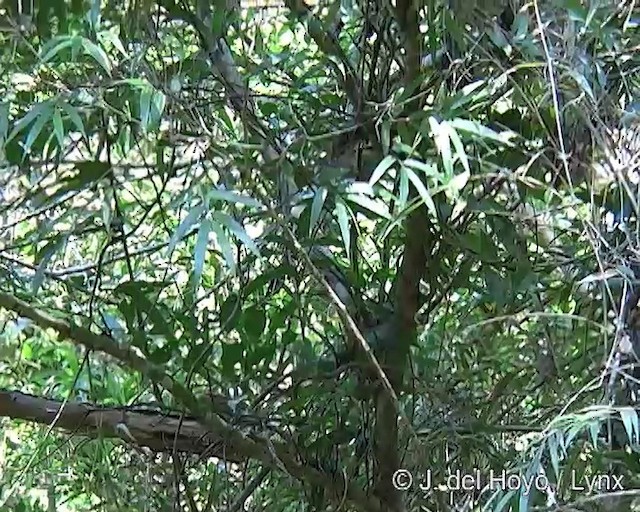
(161, 432)
(272, 454)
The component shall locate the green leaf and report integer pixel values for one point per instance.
(4, 121)
(232, 354)
(459, 147)
(94, 15)
(263, 279)
(38, 125)
(362, 194)
(552, 445)
(238, 230)
(429, 169)
(440, 133)
(403, 191)
(98, 54)
(344, 222)
(55, 46)
(475, 128)
(630, 420)
(523, 502)
(75, 118)
(316, 207)
(225, 246)
(35, 112)
(200, 251)
(229, 312)
(112, 37)
(422, 190)
(145, 106)
(255, 321)
(233, 198)
(381, 169)
(192, 218)
(58, 127)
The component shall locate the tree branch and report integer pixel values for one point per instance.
(272, 454)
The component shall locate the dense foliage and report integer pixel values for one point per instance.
(341, 240)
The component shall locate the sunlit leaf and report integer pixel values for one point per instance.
(440, 133)
(373, 205)
(190, 220)
(236, 228)
(233, 197)
(97, 54)
(344, 222)
(630, 420)
(316, 207)
(422, 190)
(225, 246)
(475, 128)
(381, 169)
(200, 251)
(58, 127)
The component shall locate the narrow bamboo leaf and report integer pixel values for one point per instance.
(381, 169)
(113, 38)
(523, 502)
(30, 116)
(55, 47)
(192, 218)
(429, 169)
(36, 128)
(373, 205)
(440, 133)
(238, 230)
(4, 120)
(630, 421)
(75, 118)
(316, 207)
(459, 148)
(475, 128)
(344, 222)
(58, 128)
(552, 445)
(233, 198)
(360, 187)
(504, 501)
(422, 190)
(403, 190)
(145, 106)
(200, 251)
(158, 102)
(225, 247)
(98, 54)
(385, 136)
